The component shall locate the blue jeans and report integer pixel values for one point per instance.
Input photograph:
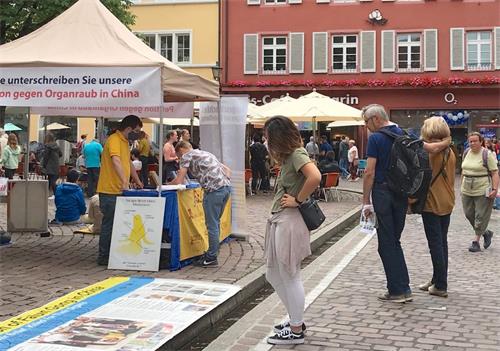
(436, 231)
(214, 203)
(343, 165)
(391, 215)
(107, 203)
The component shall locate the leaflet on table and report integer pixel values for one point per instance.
(141, 320)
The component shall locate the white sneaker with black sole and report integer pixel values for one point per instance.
(286, 337)
(283, 325)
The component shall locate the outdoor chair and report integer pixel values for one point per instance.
(361, 168)
(329, 182)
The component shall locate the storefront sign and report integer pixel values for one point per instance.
(450, 98)
(347, 99)
(80, 86)
(137, 231)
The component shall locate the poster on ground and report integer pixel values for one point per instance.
(137, 231)
(122, 314)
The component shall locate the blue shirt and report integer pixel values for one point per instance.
(92, 153)
(379, 147)
(325, 147)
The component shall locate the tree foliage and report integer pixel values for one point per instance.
(21, 17)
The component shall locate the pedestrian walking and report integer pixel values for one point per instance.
(92, 153)
(438, 205)
(116, 170)
(388, 207)
(258, 157)
(287, 236)
(343, 157)
(10, 156)
(50, 161)
(213, 177)
(479, 189)
(353, 158)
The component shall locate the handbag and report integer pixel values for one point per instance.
(311, 213)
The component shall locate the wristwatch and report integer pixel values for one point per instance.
(299, 202)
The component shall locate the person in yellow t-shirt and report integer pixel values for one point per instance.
(479, 189)
(116, 169)
(144, 149)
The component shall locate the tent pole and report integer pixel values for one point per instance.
(160, 147)
(27, 154)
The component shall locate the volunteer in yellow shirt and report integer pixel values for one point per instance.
(144, 149)
(116, 170)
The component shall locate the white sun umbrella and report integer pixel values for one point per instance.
(344, 124)
(264, 112)
(55, 126)
(11, 127)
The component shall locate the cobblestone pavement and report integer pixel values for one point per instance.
(36, 270)
(346, 314)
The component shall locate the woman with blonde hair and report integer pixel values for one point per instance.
(438, 205)
(10, 156)
(287, 237)
(479, 189)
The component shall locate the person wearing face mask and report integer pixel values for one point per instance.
(116, 170)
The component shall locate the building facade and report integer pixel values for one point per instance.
(416, 57)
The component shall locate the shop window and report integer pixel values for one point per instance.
(274, 55)
(344, 53)
(409, 52)
(479, 51)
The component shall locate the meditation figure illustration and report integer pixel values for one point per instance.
(133, 245)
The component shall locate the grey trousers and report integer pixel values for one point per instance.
(477, 210)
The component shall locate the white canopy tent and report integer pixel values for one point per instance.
(87, 57)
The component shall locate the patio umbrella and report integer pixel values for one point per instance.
(344, 124)
(55, 126)
(11, 127)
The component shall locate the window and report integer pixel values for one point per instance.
(409, 52)
(274, 55)
(478, 50)
(344, 51)
(175, 47)
(272, 2)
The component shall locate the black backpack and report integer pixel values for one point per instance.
(409, 173)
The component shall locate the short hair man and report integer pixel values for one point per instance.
(324, 147)
(116, 169)
(213, 177)
(390, 209)
(312, 149)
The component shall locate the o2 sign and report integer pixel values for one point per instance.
(450, 98)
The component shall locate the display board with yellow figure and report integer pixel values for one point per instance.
(137, 232)
(193, 232)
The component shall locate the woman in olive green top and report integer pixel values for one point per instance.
(287, 237)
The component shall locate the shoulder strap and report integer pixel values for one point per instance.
(443, 164)
(389, 133)
(485, 159)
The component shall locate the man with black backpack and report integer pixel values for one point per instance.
(389, 195)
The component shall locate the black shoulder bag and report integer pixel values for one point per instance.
(311, 213)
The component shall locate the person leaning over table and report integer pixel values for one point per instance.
(213, 177)
(116, 169)
(479, 189)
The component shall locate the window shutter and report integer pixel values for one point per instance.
(320, 52)
(296, 53)
(388, 54)
(457, 60)
(251, 54)
(367, 53)
(253, 2)
(496, 41)
(295, 1)
(431, 50)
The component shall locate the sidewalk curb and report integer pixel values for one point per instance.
(253, 282)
